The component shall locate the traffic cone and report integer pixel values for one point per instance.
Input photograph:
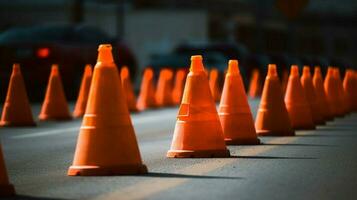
(17, 109)
(106, 143)
(146, 97)
(322, 103)
(331, 91)
(163, 93)
(306, 82)
(214, 84)
(234, 111)
(284, 80)
(272, 117)
(198, 132)
(255, 85)
(343, 107)
(178, 86)
(296, 102)
(6, 189)
(349, 86)
(55, 106)
(81, 103)
(128, 88)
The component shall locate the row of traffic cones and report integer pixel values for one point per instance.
(107, 143)
(17, 110)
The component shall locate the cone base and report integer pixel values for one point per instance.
(106, 171)
(7, 190)
(275, 133)
(54, 118)
(242, 141)
(219, 153)
(14, 124)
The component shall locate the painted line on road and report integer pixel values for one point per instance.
(136, 121)
(153, 186)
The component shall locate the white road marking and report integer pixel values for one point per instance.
(136, 121)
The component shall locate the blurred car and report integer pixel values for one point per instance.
(37, 48)
(182, 60)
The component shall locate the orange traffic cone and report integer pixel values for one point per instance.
(146, 97)
(106, 143)
(331, 91)
(128, 88)
(284, 80)
(349, 86)
(322, 103)
(81, 103)
(6, 189)
(234, 111)
(343, 107)
(55, 105)
(214, 84)
(198, 132)
(306, 82)
(163, 93)
(255, 86)
(272, 117)
(296, 102)
(179, 86)
(17, 109)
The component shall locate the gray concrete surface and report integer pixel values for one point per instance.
(320, 164)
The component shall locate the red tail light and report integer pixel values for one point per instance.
(43, 52)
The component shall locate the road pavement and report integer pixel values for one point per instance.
(319, 164)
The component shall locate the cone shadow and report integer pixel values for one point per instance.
(174, 175)
(274, 157)
(307, 145)
(25, 197)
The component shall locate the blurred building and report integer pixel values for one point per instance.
(303, 28)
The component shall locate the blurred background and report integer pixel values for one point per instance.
(164, 33)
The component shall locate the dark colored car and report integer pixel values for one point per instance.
(37, 48)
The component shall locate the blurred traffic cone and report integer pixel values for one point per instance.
(255, 85)
(163, 93)
(82, 99)
(234, 111)
(284, 80)
(322, 103)
(349, 86)
(306, 82)
(55, 106)
(296, 102)
(128, 88)
(106, 143)
(146, 97)
(179, 86)
(343, 107)
(17, 109)
(214, 84)
(272, 117)
(330, 87)
(198, 132)
(6, 189)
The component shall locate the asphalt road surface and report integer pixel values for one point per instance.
(319, 164)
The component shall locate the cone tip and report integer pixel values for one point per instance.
(294, 71)
(306, 70)
(88, 69)
(105, 54)
(54, 69)
(196, 63)
(105, 47)
(16, 68)
(272, 70)
(233, 67)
